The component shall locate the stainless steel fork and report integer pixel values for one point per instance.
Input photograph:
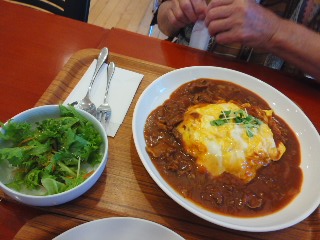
(86, 103)
(104, 110)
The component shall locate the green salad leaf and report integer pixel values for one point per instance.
(51, 156)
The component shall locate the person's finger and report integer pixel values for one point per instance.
(219, 26)
(227, 37)
(217, 3)
(200, 7)
(179, 14)
(174, 21)
(218, 13)
(188, 9)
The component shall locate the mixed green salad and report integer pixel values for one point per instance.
(50, 156)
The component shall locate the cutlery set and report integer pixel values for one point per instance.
(103, 112)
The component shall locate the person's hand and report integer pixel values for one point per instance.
(183, 12)
(241, 21)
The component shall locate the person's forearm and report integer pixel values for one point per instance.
(298, 45)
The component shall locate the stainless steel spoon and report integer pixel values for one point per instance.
(86, 104)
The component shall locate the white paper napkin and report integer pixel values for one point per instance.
(200, 36)
(122, 89)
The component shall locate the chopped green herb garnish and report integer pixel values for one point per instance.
(240, 117)
(53, 155)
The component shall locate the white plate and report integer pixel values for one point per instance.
(300, 208)
(119, 228)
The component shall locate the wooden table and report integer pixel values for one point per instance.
(37, 55)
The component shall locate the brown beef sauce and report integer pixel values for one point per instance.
(273, 187)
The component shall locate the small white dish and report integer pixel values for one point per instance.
(309, 197)
(116, 228)
(52, 111)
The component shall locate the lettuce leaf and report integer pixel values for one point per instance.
(50, 154)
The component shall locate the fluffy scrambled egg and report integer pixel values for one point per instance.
(227, 146)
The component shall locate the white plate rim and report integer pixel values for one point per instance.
(73, 233)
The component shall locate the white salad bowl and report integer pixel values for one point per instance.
(38, 114)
